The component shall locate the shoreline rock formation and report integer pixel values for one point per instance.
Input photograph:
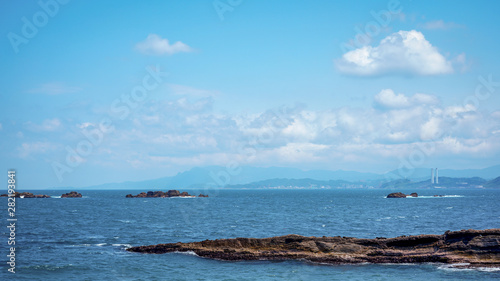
(401, 195)
(468, 248)
(161, 194)
(72, 194)
(26, 195)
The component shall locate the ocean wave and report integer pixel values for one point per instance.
(464, 267)
(126, 246)
(439, 196)
(189, 253)
(47, 267)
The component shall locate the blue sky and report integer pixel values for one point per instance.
(354, 85)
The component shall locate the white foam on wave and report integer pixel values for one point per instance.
(100, 244)
(55, 196)
(440, 196)
(189, 253)
(80, 245)
(126, 246)
(463, 267)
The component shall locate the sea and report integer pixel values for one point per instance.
(86, 238)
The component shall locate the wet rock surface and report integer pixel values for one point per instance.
(26, 195)
(72, 194)
(401, 195)
(468, 248)
(161, 194)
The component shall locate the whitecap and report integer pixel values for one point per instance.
(464, 267)
(439, 196)
(80, 245)
(126, 246)
(189, 253)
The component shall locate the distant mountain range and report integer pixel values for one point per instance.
(255, 177)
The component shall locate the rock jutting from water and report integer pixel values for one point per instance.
(465, 248)
(401, 195)
(72, 194)
(26, 195)
(161, 194)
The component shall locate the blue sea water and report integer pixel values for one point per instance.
(86, 238)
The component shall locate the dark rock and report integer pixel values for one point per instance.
(160, 194)
(414, 194)
(155, 194)
(202, 195)
(396, 195)
(25, 195)
(141, 195)
(72, 194)
(173, 193)
(476, 248)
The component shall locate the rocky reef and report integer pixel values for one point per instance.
(72, 194)
(26, 195)
(401, 195)
(465, 248)
(161, 194)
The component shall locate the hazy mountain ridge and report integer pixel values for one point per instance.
(218, 176)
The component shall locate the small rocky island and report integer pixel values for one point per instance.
(26, 195)
(161, 194)
(72, 194)
(464, 248)
(401, 195)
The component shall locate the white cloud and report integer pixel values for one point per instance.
(29, 148)
(48, 125)
(54, 88)
(403, 53)
(388, 99)
(85, 125)
(155, 45)
(187, 133)
(431, 130)
(440, 25)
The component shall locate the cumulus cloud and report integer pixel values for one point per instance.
(387, 98)
(155, 45)
(54, 88)
(403, 52)
(188, 132)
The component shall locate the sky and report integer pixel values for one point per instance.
(95, 92)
